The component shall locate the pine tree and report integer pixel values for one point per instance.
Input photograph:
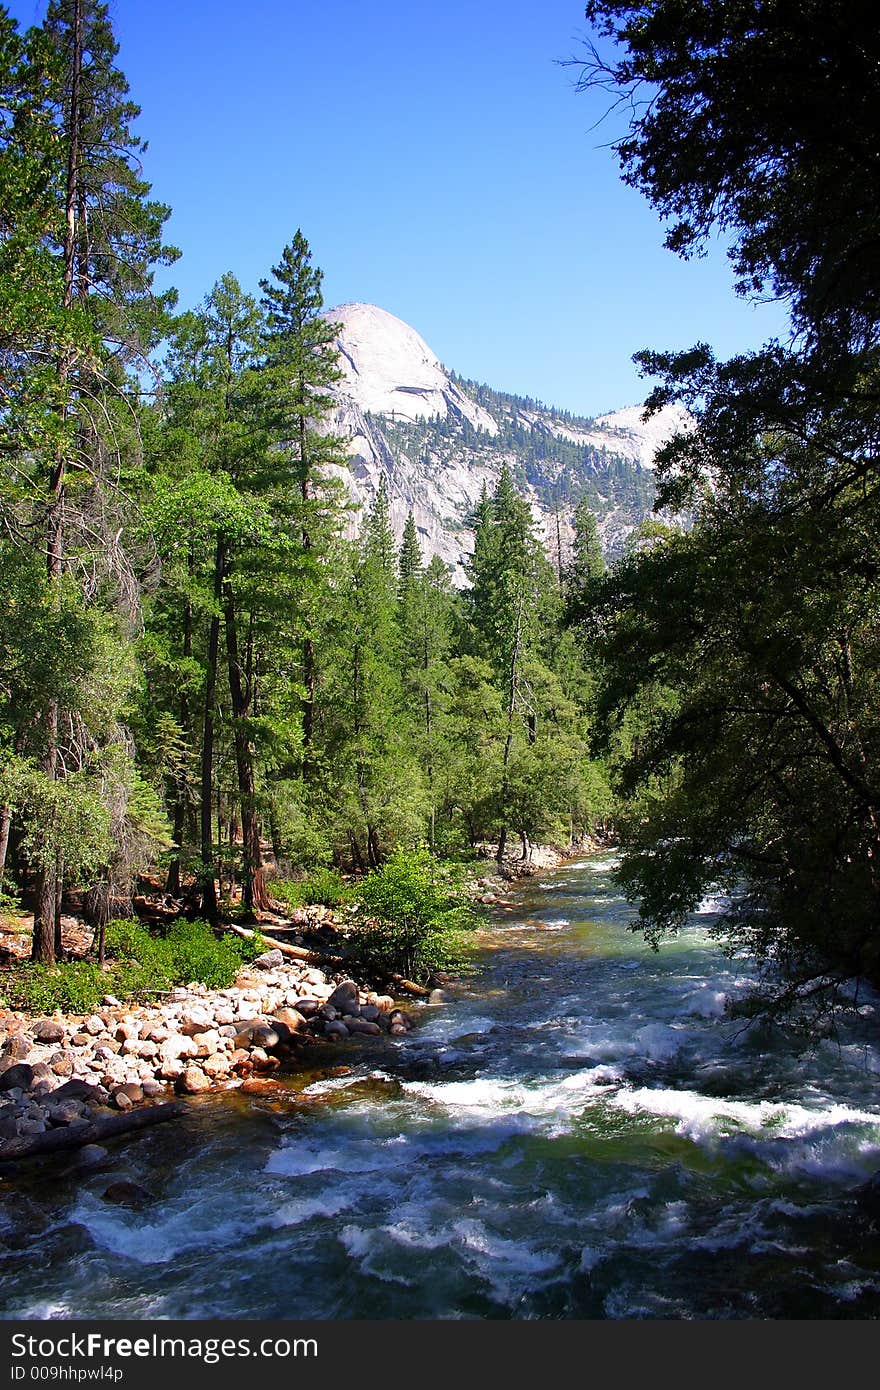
(301, 367)
(83, 312)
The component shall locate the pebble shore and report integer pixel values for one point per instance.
(67, 1070)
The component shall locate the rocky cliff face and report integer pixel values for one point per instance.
(438, 439)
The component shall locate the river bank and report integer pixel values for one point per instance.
(68, 1071)
(62, 1076)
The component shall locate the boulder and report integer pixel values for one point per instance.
(177, 1046)
(76, 1089)
(291, 1019)
(195, 1081)
(90, 1156)
(269, 960)
(128, 1194)
(218, 1064)
(206, 1042)
(362, 1025)
(17, 1047)
(49, 1030)
(20, 1075)
(304, 1007)
(62, 1063)
(345, 998)
(335, 1028)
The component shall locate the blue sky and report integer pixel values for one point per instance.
(441, 165)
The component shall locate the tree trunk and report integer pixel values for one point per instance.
(172, 882)
(46, 926)
(254, 896)
(5, 823)
(508, 742)
(209, 887)
(356, 857)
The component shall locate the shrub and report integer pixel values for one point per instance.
(193, 952)
(139, 963)
(189, 952)
(76, 987)
(418, 916)
(325, 886)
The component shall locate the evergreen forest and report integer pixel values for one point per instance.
(213, 677)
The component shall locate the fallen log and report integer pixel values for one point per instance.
(409, 986)
(325, 958)
(295, 952)
(92, 1132)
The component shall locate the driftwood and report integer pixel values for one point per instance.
(93, 1132)
(325, 958)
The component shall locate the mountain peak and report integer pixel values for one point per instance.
(390, 370)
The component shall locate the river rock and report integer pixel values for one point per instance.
(122, 1100)
(66, 1112)
(151, 1087)
(195, 1081)
(304, 1007)
(384, 1003)
(127, 1031)
(90, 1156)
(335, 1028)
(177, 1046)
(291, 1019)
(398, 1028)
(128, 1194)
(49, 1030)
(362, 1025)
(21, 1075)
(17, 1047)
(345, 998)
(8, 1127)
(147, 1049)
(206, 1042)
(62, 1063)
(269, 960)
(370, 1012)
(94, 1025)
(78, 1089)
(257, 1035)
(217, 1065)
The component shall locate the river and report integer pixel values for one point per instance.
(578, 1131)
